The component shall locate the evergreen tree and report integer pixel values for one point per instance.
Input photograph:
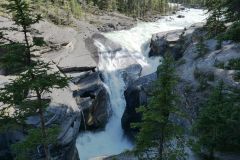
(25, 96)
(201, 48)
(160, 137)
(215, 23)
(217, 126)
(23, 16)
(231, 10)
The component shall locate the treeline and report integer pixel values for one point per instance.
(64, 10)
(137, 8)
(190, 2)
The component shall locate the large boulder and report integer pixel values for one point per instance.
(176, 42)
(134, 98)
(163, 42)
(99, 112)
(69, 121)
(136, 95)
(93, 99)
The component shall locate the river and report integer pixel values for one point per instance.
(135, 46)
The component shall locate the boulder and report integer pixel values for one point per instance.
(136, 95)
(93, 99)
(99, 113)
(176, 42)
(158, 45)
(88, 86)
(69, 121)
(180, 16)
(167, 41)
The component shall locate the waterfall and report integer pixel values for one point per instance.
(135, 44)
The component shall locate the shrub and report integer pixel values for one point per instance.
(201, 48)
(233, 33)
(203, 78)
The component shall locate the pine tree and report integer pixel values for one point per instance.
(215, 23)
(25, 95)
(201, 48)
(23, 16)
(217, 126)
(159, 137)
(231, 10)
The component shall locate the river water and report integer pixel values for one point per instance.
(135, 43)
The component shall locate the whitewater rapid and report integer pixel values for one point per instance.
(135, 44)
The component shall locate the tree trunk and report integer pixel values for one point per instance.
(161, 142)
(43, 129)
(28, 53)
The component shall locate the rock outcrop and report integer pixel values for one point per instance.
(136, 95)
(92, 96)
(174, 42)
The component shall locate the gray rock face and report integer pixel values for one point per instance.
(166, 41)
(136, 95)
(93, 99)
(99, 112)
(88, 86)
(180, 16)
(174, 42)
(69, 121)
(110, 45)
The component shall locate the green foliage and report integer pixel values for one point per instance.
(22, 13)
(233, 33)
(203, 78)
(36, 80)
(39, 41)
(25, 148)
(75, 8)
(236, 76)
(231, 10)
(221, 12)
(160, 137)
(24, 95)
(13, 58)
(232, 64)
(219, 64)
(201, 48)
(219, 44)
(216, 127)
(135, 8)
